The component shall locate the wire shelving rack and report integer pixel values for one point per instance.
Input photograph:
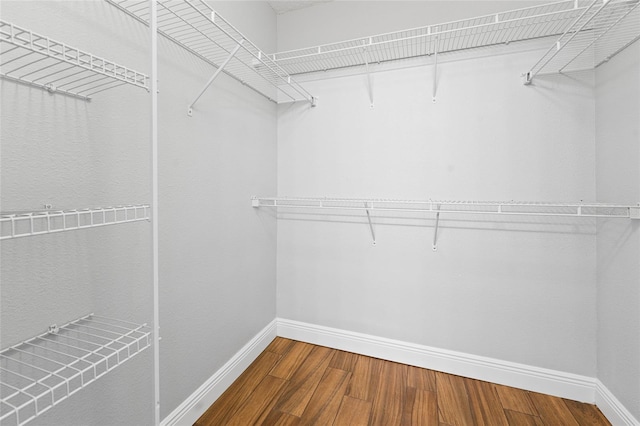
(483, 31)
(39, 373)
(24, 224)
(36, 60)
(522, 208)
(195, 26)
(602, 30)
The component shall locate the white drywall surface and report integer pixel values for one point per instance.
(618, 242)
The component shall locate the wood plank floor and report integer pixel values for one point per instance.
(296, 383)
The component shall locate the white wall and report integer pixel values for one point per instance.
(217, 257)
(618, 242)
(73, 154)
(518, 290)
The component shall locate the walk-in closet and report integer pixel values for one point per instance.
(191, 190)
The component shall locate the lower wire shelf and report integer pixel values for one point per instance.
(37, 374)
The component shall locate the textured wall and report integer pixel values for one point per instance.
(217, 256)
(73, 154)
(217, 273)
(618, 177)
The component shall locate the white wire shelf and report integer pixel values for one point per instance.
(603, 29)
(583, 210)
(489, 30)
(37, 374)
(24, 224)
(36, 60)
(196, 27)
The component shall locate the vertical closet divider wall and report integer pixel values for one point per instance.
(39, 373)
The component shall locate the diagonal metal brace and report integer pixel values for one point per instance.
(213, 77)
(435, 231)
(373, 234)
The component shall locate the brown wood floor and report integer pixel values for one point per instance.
(295, 383)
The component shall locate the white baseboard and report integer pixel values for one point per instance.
(612, 408)
(194, 406)
(552, 382)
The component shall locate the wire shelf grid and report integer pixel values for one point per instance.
(24, 224)
(602, 30)
(195, 26)
(39, 61)
(506, 27)
(453, 206)
(39, 373)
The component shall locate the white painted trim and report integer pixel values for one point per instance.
(551, 382)
(612, 408)
(196, 404)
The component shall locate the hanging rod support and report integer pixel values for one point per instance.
(369, 86)
(435, 70)
(373, 234)
(435, 232)
(214, 76)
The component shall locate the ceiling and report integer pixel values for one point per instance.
(284, 6)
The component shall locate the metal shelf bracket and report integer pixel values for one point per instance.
(369, 85)
(214, 76)
(435, 231)
(634, 212)
(373, 234)
(435, 70)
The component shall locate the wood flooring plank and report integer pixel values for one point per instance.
(389, 400)
(420, 408)
(552, 410)
(227, 404)
(360, 384)
(421, 378)
(516, 418)
(515, 400)
(304, 381)
(343, 361)
(485, 403)
(326, 400)
(278, 418)
(453, 400)
(586, 414)
(291, 360)
(259, 404)
(280, 345)
(353, 412)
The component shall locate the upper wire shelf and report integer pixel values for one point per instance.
(489, 30)
(195, 26)
(451, 206)
(39, 61)
(24, 224)
(602, 30)
(41, 372)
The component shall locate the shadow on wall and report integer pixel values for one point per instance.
(480, 222)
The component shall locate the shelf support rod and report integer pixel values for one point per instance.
(435, 231)
(214, 76)
(369, 85)
(373, 234)
(435, 69)
(559, 46)
(153, 82)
